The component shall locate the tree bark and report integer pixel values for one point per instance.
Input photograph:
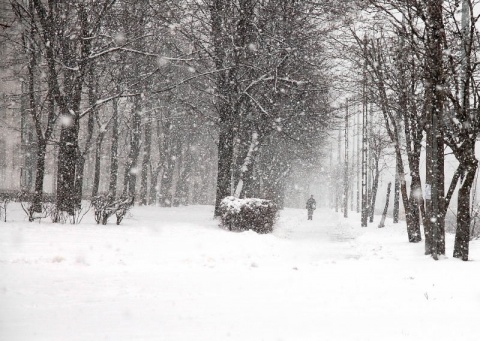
(157, 172)
(225, 89)
(246, 167)
(98, 161)
(374, 188)
(112, 187)
(462, 234)
(396, 198)
(413, 226)
(167, 189)
(131, 171)
(39, 176)
(146, 159)
(82, 155)
(385, 210)
(184, 178)
(434, 99)
(67, 171)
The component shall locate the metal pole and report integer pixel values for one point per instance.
(364, 144)
(359, 153)
(338, 180)
(345, 179)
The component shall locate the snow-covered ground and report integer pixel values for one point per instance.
(172, 274)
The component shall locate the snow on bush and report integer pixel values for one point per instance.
(106, 206)
(248, 214)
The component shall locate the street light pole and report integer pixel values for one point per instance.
(364, 141)
(345, 179)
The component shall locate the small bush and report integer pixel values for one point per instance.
(4, 200)
(106, 206)
(248, 214)
(26, 201)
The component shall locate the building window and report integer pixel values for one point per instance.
(26, 178)
(3, 154)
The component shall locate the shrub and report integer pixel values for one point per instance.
(5, 198)
(106, 206)
(26, 202)
(248, 214)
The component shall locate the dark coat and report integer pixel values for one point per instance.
(311, 204)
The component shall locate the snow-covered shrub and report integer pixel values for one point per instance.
(5, 198)
(248, 214)
(106, 206)
(26, 202)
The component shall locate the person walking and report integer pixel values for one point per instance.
(311, 206)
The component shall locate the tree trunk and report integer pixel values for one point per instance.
(41, 141)
(154, 186)
(98, 160)
(462, 235)
(246, 167)
(112, 187)
(434, 99)
(166, 191)
(39, 176)
(374, 190)
(67, 157)
(146, 160)
(251, 187)
(131, 171)
(396, 198)
(80, 170)
(385, 210)
(416, 197)
(413, 226)
(225, 88)
(184, 178)
(225, 160)
(441, 193)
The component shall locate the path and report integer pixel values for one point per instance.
(328, 235)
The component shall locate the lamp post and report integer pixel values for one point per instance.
(345, 179)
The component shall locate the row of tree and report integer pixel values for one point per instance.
(159, 97)
(152, 93)
(416, 61)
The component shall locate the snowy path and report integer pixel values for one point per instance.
(172, 274)
(327, 233)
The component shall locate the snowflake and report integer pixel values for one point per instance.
(162, 61)
(119, 38)
(66, 120)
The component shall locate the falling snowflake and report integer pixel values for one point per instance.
(162, 61)
(119, 38)
(66, 120)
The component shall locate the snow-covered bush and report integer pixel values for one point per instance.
(26, 200)
(5, 198)
(106, 206)
(248, 214)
